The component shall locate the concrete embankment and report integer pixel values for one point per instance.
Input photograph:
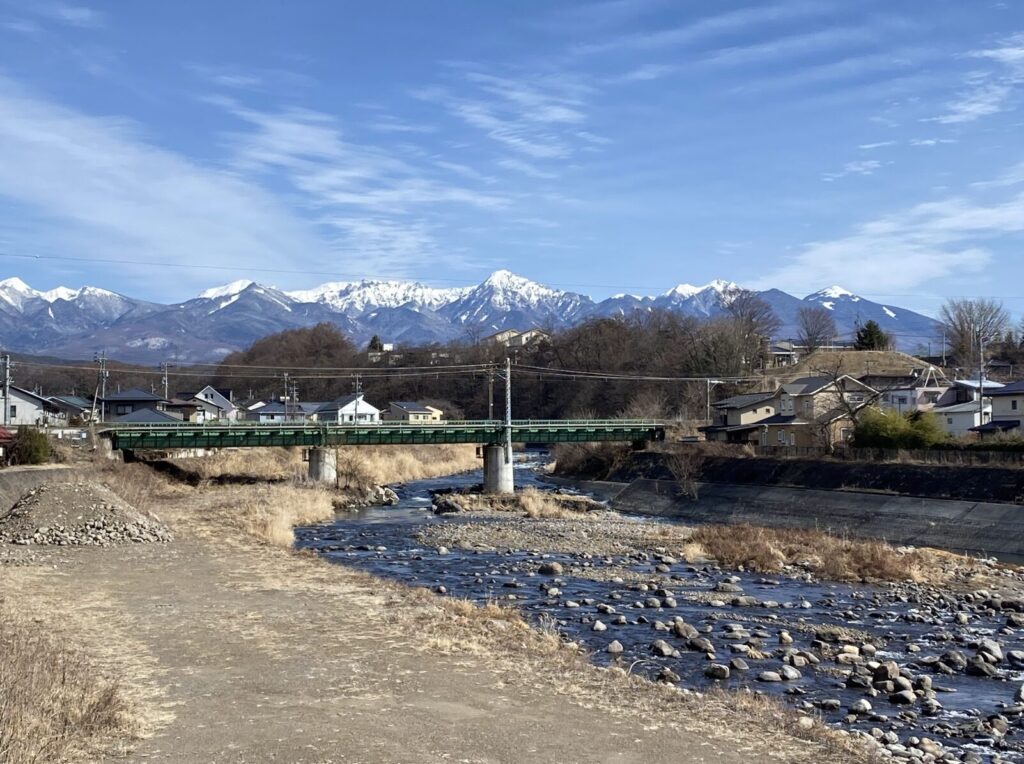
(15, 482)
(964, 526)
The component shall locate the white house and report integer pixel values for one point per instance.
(921, 390)
(410, 411)
(349, 409)
(216, 404)
(960, 418)
(27, 408)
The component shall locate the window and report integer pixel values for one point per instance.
(782, 438)
(949, 420)
(858, 398)
(123, 408)
(14, 411)
(1013, 405)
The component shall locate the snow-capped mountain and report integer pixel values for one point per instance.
(75, 323)
(359, 297)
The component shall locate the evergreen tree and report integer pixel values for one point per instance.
(375, 344)
(871, 337)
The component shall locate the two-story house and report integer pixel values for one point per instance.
(815, 411)
(410, 411)
(1007, 411)
(919, 390)
(736, 419)
(124, 402)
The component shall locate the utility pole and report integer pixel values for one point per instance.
(358, 385)
(287, 394)
(490, 394)
(101, 360)
(508, 410)
(7, 389)
(164, 367)
(981, 378)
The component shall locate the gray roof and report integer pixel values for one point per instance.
(1014, 388)
(411, 407)
(73, 401)
(742, 401)
(806, 385)
(148, 416)
(135, 394)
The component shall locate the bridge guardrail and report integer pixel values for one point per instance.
(319, 426)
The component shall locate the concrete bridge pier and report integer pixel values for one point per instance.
(323, 465)
(498, 476)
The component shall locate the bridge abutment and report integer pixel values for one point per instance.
(498, 476)
(323, 465)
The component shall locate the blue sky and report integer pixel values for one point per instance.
(624, 145)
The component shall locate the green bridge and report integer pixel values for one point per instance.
(136, 437)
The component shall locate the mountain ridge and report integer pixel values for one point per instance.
(78, 322)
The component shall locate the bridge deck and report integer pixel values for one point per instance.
(483, 432)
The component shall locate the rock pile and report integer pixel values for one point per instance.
(77, 514)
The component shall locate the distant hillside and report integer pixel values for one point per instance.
(80, 322)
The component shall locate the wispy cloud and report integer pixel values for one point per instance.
(518, 165)
(64, 13)
(925, 243)
(540, 118)
(991, 91)
(708, 27)
(928, 142)
(859, 167)
(878, 145)
(109, 193)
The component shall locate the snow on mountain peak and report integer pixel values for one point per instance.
(355, 297)
(17, 285)
(832, 293)
(683, 290)
(227, 290)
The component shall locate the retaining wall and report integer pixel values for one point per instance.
(15, 482)
(962, 526)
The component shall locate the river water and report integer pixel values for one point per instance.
(909, 628)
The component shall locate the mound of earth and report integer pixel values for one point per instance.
(77, 514)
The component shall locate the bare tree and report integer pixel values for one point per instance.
(755, 322)
(815, 327)
(972, 322)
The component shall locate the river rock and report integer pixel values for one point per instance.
(662, 648)
(860, 707)
(614, 647)
(717, 671)
(598, 626)
(903, 698)
(992, 648)
(551, 569)
(789, 673)
(769, 676)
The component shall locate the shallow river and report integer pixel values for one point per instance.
(910, 629)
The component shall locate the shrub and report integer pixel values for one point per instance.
(30, 447)
(891, 429)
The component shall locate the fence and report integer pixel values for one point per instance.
(969, 457)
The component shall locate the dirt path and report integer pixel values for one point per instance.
(243, 653)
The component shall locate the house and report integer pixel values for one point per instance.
(148, 416)
(815, 411)
(119, 404)
(408, 411)
(920, 390)
(349, 409)
(74, 407)
(784, 353)
(504, 337)
(736, 419)
(1007, 405)
(529, 338)
(217, 403)
(960, 419)
(187, 410)
(967, 389)
(286, 411)
(26, 408)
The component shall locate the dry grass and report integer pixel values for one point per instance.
(366, 466)
(266, 463)
(829, 557)
(534, 503)
(359, 467)
(270, 513)
(138, 484)
(54, 705)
